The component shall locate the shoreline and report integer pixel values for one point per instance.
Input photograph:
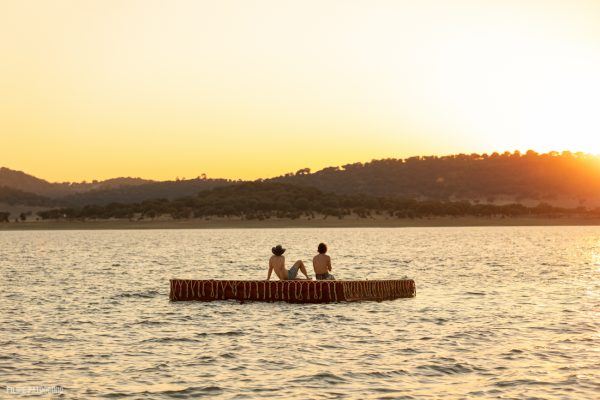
(225, 223)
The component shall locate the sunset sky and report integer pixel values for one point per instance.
(247, 89)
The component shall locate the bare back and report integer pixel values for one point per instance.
(277, 264)
(322, 263)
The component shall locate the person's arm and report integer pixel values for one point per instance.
(329, 263)
(270, 270)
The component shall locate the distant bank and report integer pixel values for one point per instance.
(233, 223)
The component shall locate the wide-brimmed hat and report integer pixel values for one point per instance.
(278, 250)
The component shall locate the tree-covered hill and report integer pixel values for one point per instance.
(564, 179)
(28, 183)
(123, 190)
(544, 177)
(12, 196)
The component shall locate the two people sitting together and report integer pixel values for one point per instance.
(321, 265)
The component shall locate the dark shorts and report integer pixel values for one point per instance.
(293, 272)
(325, 277)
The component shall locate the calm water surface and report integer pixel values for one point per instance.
(500, 312)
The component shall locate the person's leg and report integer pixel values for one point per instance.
(299, 264)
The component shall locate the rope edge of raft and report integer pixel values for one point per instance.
(295, 291)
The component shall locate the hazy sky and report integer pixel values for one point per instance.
(158, 89)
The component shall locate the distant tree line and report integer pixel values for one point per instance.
(264, 200)
(5, 216)
(147, 191)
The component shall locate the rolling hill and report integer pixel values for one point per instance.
(28, 183)
(564, 180)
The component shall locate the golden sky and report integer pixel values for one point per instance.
(247, 89)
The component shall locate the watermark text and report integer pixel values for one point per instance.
(20, 390)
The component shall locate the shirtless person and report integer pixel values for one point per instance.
(322, 264)
(277, 264)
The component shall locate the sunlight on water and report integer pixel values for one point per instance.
(499, 312)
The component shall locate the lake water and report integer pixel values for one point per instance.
(500, 312)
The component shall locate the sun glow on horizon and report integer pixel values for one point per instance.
(233, 89)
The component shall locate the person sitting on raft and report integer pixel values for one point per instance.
(322, 264)
(277, 264)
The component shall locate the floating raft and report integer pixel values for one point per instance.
(293, 291)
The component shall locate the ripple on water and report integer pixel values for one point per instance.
(189, 392)
(447, 369)
(376, 374)
(170, 340)
(321, 377)
(144, 295)
(226, 333)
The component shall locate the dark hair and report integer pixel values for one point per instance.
(322, 248)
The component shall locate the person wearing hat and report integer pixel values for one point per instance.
(277, 264)
(322, 264)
